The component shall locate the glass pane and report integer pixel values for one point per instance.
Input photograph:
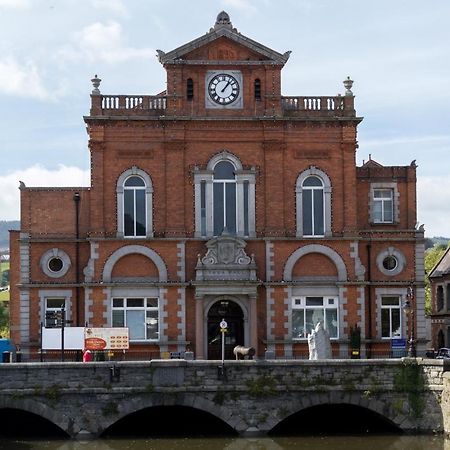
(117, 302)
(152, 302)
(135, 302)
(203, 207)
(218, 208)
(313, 316)
(388, 213)
(152, 325)
(314, 301)
(390, 301)
(55, 303)
(298, 323)
(318, 212)
(307, 212)
(140, 213)
(224, 170)
(128, 212)
(230, 189)
(134, 181)
(377, 211)
(331, 322)
(118, 319)
(136, 325)
(385, 323)
(312, 181)
(395, 316)
(246, 186)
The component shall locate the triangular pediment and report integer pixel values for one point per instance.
(223, 43)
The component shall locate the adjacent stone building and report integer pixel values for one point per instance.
(440, 301)
(222, 198)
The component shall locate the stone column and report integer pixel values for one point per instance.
(199, 335)
(253, 323)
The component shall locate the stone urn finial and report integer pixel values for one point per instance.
(96, 83)
(348, 86)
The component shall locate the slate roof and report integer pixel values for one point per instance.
(442, 267)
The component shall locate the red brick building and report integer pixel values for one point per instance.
(221, 198)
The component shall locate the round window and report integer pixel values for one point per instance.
(55, 264)
(390, 262)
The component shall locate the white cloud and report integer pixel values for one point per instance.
(15, 4)
(103, 42)
(36, 176)
(433, 199)
(21, 80)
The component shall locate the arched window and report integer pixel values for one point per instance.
(134, 204)
(224, 198)
(313, 213)
(134, 208)
(313, 204)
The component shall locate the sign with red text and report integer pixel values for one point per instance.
(106, 339)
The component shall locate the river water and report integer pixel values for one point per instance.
(378, 442)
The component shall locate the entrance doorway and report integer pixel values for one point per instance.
(233, 315)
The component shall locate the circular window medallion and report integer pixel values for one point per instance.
(390, 262)
(55, 264)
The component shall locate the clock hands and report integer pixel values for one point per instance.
(228, 83)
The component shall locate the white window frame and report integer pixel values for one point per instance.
(207, 177)
(312, 211)
(120, 189)
(390, 308)
(145, 308)
(47, 309)
(326, 185)
(328, 302)
(134, 189)
(386, 197)
(395, 203)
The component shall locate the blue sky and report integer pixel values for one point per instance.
(398, 53)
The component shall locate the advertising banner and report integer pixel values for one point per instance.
(106, 339)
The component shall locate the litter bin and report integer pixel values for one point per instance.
(6, 357)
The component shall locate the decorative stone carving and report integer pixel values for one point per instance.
(319, 343)
(226, 259)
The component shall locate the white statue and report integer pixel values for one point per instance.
(319, 343)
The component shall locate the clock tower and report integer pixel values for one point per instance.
(223, 73)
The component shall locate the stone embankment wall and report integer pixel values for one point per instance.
(251, 396)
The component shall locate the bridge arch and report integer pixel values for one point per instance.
(304, 403)
(65, 423)
(195, 401)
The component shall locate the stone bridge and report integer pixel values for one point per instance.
(252, 397)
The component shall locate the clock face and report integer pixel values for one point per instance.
(223, 89)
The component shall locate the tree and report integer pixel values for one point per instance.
(4, 321)
(432, 256)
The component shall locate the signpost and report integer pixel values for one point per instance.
(223, 330)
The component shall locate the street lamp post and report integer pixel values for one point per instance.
(409, 308)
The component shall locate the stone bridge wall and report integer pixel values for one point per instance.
(86, 398)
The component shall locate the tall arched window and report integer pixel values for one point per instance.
(313, 213)
(134, 208)
(313, 203)
(224, 198)
(134, 204)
